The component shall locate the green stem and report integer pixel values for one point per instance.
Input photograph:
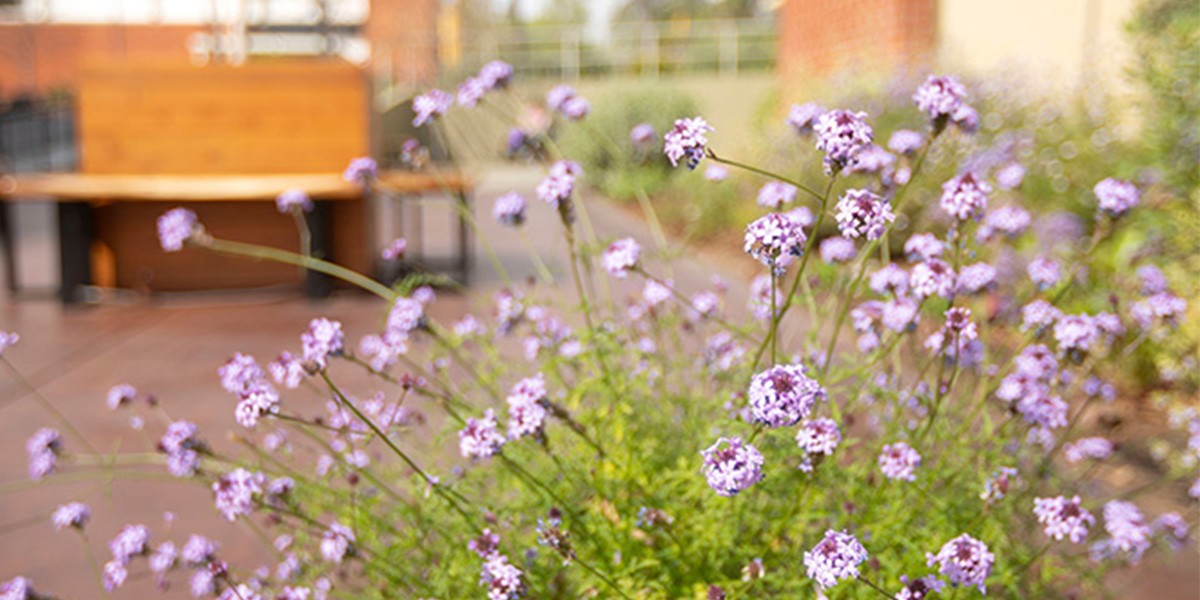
(308, 262)
(48, 407)
(733, 163)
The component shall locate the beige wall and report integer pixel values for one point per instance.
(1061, 42)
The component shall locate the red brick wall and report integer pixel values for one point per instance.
(36, 58)
(819, 37)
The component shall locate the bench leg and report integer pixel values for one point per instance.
(464, 237)
(10, 247)
(75, 233)
(320, 228)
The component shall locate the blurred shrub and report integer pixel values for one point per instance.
(602, 145)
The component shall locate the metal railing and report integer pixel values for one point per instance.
(649, 48)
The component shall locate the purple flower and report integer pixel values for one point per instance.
(1063, 518)
(837, 249)
(235, 492)
(687, 139)
(905, 141)
(760, 297)
(975, 278)
(732, 466)
(337, 542)
(1161, 307)
(891, 278)
(932, 278)
(964, 560)
(480, 438)
(496, 74)
(898, 460)
(509, 209)
(8, 340)
(43, 449)
(836, 557)
(861, 213)
(1172, 527)
(997, 486)
(774, 240)
(1038, 315)
(502, 580)
(361, 171)
(129, 542)
(642, 134)
(162, 559)
(1044, 410)
(198, 550)
(1010, 176)
(1152, 279)
(558, 96)
(1116, 197)
(74, 514)
(394, 250)
(322, 340)
(287, 370)
(965, 197)
(527, 407)
(818, 437)
(179, 443)
(899, 314)
(471, 91)
(872, 158)
(175, 227)
(802, 117)
(114, 574)
(621, 256)
(1044, 272)
(783, 395)
(801, 215)
(486, 545)
(940, 97)
(239, 373)
(1010, 221)
(293, 199)
(17, 588)
(557, 188)
(721, 352)
(516, 140)
(774, 194)
(923, 246)
(840, 135)
(716, 172)
(433, 103)
(1129, 536)
(119, 395)
(966, 118)
(1075, 333)
(920, 588)
(576, 108)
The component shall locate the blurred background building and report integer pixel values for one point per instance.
(51, 51)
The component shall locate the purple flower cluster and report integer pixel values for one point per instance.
(235, 492)
(919, 588)
(293, 200)
(557, 187)
(433, 103)
(73, 514)
(687, 140)
(783, 395)
(1009, 221)
(361, 171)
(965, 197)
(731, 466)
(394, 250)
(837, 249)
(8, 340)
(502, 580)
(642, 134)
(480, 438)
(337, 542)
(898, 461)
(1129, 536)
(323, 339)
(1095, 448)
(863, 214)
(1116, 197)
(836, 557)
(964, 560)
(905, 141)
(774, 240)
(932, 277)
(43, 448)
(1044, 272)
(775, 194)
(1063, 518)
(621, 256)
(182, 448)
(175, 227)
(940, 97)
(841, 134)
(817, 438)
(566, 101)
(527, 407)
(803, 117)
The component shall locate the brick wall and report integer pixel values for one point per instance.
(820, 37)
(37, 58)
(403, 38)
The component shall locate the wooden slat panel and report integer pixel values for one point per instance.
(273, 117)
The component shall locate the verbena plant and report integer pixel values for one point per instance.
(924, 434)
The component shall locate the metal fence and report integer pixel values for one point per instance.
(650, 48)
(37, 136)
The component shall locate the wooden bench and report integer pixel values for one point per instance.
(80, 196)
